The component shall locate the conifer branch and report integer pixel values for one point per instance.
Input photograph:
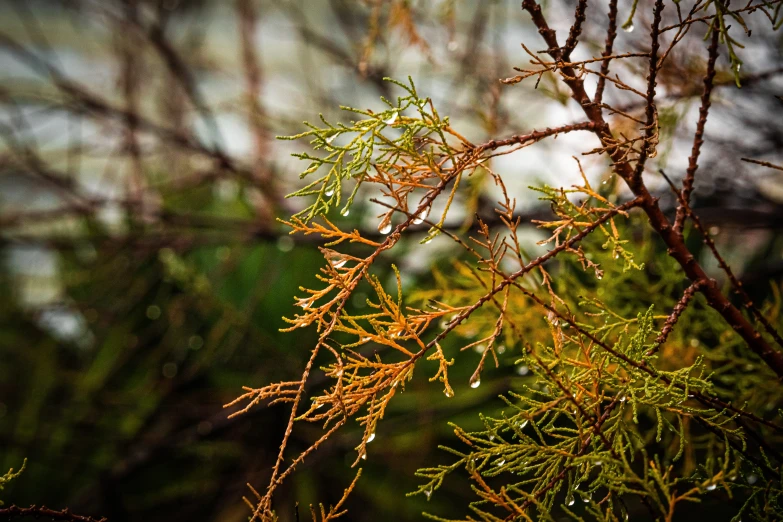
(676, 247)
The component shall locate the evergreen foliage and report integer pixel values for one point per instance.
(622, 401)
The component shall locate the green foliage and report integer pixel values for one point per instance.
(9, 476)
(657, 440)
(385, 138)
(604, 412)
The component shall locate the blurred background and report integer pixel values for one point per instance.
(144, 275)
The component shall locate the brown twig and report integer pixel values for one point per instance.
(679, 308)
(698, 138)
(576, 29)
(611, 34)
(12, 512)
(735, 282)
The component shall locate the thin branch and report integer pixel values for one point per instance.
(698, 138)
(12, 512)
(679, 308)
(611, 34)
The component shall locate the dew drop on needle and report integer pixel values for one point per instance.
(421, 216)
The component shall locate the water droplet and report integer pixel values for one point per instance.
(475, 383)
(479, 348)
(364, 456)
(599, 276)
(628, 28)
(586, 498)
(712, 487)
(453, 45)
(330, 139)
(345, 212)
(522, 370)
(385, 228)
(570, 500)
(391, 119)
(421, 216)
(339, 262)
(426, 240)
(501, 349)
(603, 182)
(371, 437)
(500, 462)
(523, 424)
(491, 437)
(623, 398)
(428, 493)
(329, 192)
(752, 478)
(365, 339)
(303, 303)
(448, 392)
(738, 67)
